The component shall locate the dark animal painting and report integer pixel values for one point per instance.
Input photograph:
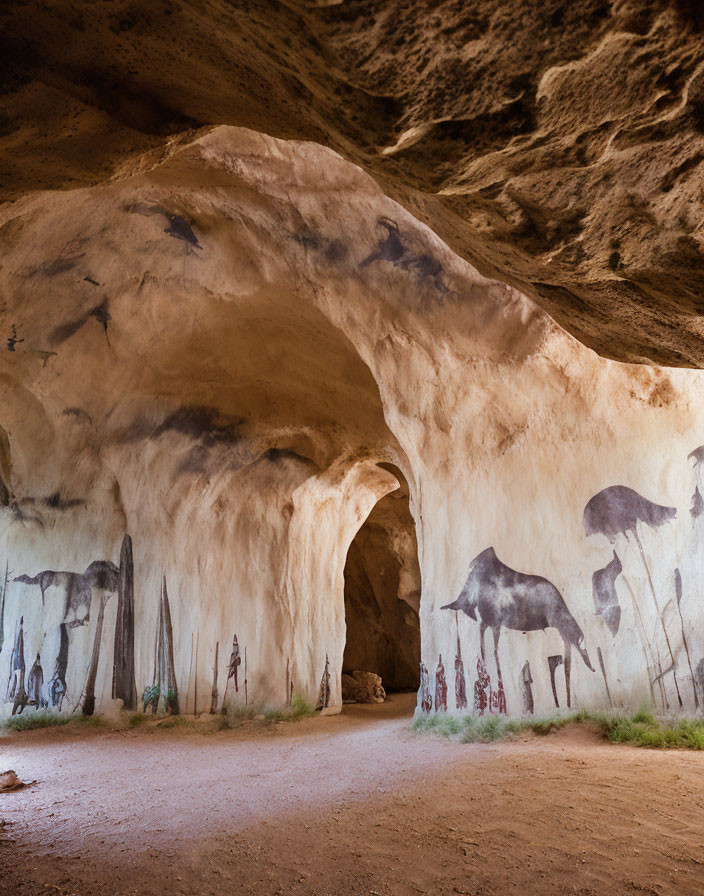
(177, 226)
(100, 574)
(517, 601)
(123, 684)
(392, 248)
(606, 602)
(617, 510)
(697, 507)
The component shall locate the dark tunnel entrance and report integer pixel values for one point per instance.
(382, 595)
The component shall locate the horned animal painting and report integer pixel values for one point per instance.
(517, 601)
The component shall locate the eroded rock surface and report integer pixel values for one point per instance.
(557, 146)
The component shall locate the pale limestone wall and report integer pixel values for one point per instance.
(228, 404)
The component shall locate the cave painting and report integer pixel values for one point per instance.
(460, 682)
(481, 685)
(101, 575)
(324, 694)
(600, 655)
(164, 678)
(177, 226)
(527, 689)
(214, 689)
(393, 248)
(440, 687)
(232, 667)
(426, 701)
(517, 601)
(697, 506)
(123, 683)
(604, 594)
(164, 671)
(553, 663)
(78, 587)
(616, 512)
(15, 686)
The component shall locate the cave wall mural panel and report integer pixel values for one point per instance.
(245, 339)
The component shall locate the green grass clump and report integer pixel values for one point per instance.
(30, 721)
(35, 720)
(300, 708)
(643, 729)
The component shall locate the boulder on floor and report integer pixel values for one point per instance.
(363, 687)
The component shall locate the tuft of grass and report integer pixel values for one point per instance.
(136, 719)
(30, 721)
(643, 729)
(300, 708)
(36, 720)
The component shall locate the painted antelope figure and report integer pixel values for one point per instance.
(517, 601)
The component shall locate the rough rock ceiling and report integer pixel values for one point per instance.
(558, 146)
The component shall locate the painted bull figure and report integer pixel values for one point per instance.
(517, 601)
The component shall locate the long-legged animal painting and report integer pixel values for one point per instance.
(505, 598)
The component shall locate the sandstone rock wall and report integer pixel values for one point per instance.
(227, 358)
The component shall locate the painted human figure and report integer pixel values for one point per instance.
(15, 684)
(35, 683)
(426, 701)
(497, 699)
(235, 661)
(481, 699)
(324, 695)
(150, 698)
(460, 683)
(57, 685)
(440, 687)
(526, 682)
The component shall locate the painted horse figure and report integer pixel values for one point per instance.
(517, 601)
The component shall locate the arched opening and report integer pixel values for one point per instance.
(382, 595)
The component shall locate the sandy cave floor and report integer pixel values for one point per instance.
(353, 804)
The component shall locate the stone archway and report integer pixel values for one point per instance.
(382, 595)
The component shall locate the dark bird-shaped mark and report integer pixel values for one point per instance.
(181, 230)
(517, 601)
(12, 340)
(177, 226)
(618, 509)
(65, 331)
(606, 601)
(393, 249)
(102, 315)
